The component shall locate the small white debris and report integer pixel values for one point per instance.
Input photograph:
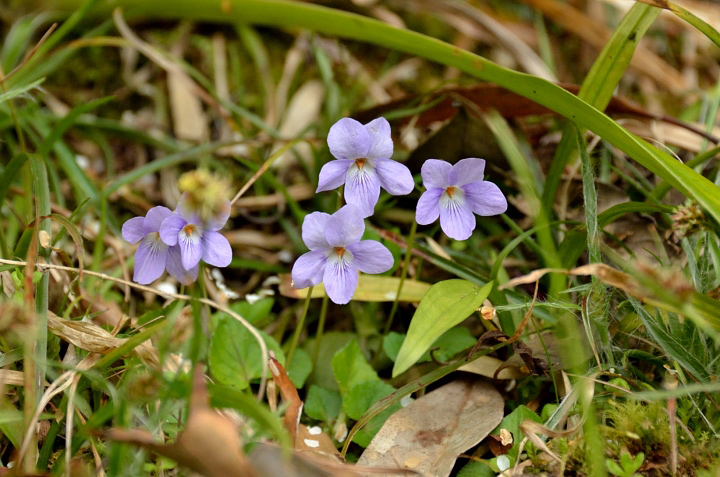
(167, 287)
(315, 430)
(405, 400)
(82, 161)
(44, 238)
(391, 295)
(273, 280)
(311, 443)
(503, 463)
(285, 256)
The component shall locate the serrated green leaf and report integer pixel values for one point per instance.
(446, 304)
(351, 368)
(235, 357)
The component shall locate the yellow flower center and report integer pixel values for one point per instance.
(340, 251)
(189, 229)
(360, 162)
(450, 191)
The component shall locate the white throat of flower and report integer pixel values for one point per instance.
(340, 256)
(452, 197)
(361, 166)
(156, 244)
(190, 233)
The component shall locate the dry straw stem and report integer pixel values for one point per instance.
(263, 347)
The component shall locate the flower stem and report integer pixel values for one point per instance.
(320, 329)
(298, 330)
(403, 274)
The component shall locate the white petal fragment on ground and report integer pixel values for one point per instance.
(428, 435)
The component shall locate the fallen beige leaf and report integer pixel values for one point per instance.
(428, 434)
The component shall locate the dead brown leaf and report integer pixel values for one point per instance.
(428, 434)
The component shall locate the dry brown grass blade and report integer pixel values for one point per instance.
(84, 335)
(526, 56)
(291, 420)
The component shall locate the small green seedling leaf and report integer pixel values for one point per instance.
(511, 423)
(446, 304)
(235, 358)
(300, 368)
(322, 404)
(359, 399)
(351, 368)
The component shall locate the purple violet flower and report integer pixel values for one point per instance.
(197, 239)
(153, 256)
(454, 192)
(337, 253)
(363, 163)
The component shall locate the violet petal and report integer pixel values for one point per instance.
(133, 230)
(371, 257)
(428, 207)
(381, 144)
(313, 230)
(435, 173)
(457, 219)
(308, 269)
(333, 174)
(150, 260)
(394, 177)
(362, 188)
(485, 198)
(176, 269)
(170, 229)
(340, 280)
(469, 170)
(191, 246)
(220, 219)
(155, 218)
(345, 227)
(348, 139)
(216, 250)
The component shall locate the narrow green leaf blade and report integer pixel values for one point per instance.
(446, 304)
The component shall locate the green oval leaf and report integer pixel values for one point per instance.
(235, 358)
(445, 305)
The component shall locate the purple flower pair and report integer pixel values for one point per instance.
(176, 242)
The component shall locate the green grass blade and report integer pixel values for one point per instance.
(19, 90)
(702, 26)
(589, 201)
